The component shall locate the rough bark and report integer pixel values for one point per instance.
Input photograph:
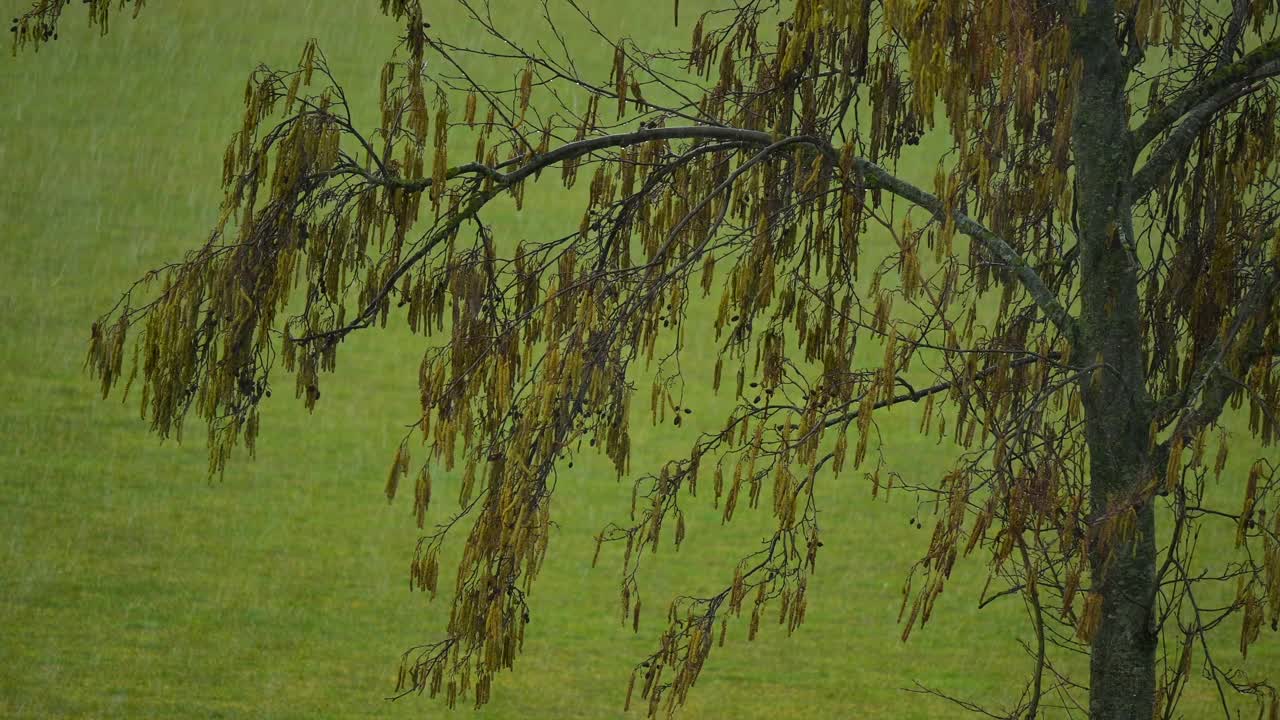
(1117, 410)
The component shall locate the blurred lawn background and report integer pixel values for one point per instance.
(131, 586)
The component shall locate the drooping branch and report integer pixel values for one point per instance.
(528, 167)
(39, 25)
(1210, 381)
(1026, 275)
(872, 174)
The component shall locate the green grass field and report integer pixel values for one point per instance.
(131, 586)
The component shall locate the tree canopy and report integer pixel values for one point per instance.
(1089, 282)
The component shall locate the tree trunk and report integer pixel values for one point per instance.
(1108, 350)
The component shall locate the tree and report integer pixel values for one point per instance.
(1107, 169)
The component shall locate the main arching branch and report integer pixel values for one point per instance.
(870, 174)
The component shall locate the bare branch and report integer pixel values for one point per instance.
(1235, 31)
(922, 393)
